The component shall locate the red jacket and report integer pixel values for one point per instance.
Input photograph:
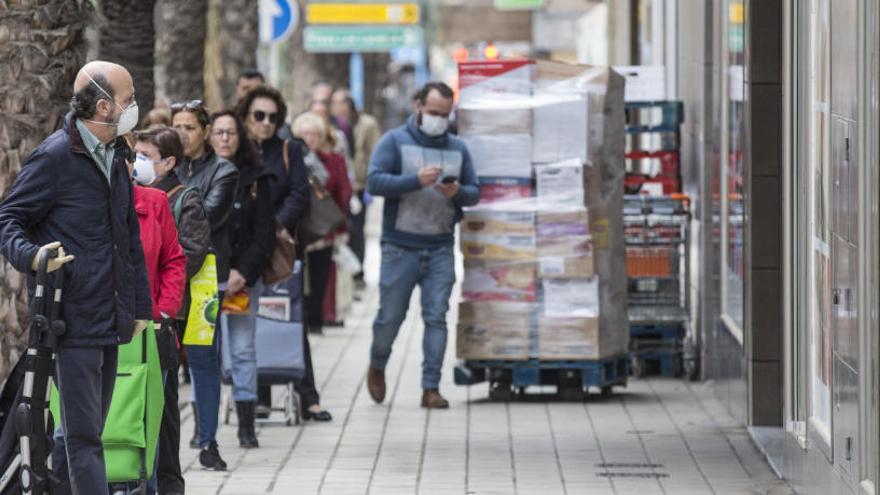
(166, 263)
(337, 184)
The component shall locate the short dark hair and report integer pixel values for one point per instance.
(168, 140)
(83, 104)
(251, 74)
(247, 154)
(262, 91)
(441, 87)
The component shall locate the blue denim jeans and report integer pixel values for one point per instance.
(204, 368)
(433, 270)
(243, 350)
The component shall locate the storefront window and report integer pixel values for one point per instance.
(733, 272)
(818, 210)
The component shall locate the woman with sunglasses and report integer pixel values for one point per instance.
(252, 232)
(263, 110)
(216, 179)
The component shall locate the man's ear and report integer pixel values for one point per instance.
(103, 108)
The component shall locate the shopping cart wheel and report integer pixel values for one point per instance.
(500, 391)
(297, 407)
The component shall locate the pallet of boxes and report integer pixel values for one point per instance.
(544, 289)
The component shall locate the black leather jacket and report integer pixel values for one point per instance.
(216, 178)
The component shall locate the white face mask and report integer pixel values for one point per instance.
(129, 118)
(433, 125)
(144, 170)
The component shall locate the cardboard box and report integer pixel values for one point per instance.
(500, 281)
(498, 247)
(559, 127)
(560, 184)
(498, 219)
(483, 79)
(564, 246)
(493, 330)
(581, 266)
(570, 338)
(495, 189)
(501, 155)
(495, 117)
(571, 298)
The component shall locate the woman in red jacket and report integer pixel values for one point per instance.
(330, 169)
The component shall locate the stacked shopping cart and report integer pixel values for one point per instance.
(656, 222)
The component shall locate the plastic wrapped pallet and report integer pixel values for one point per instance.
(500, 155)
(576, 141)
(494, 330)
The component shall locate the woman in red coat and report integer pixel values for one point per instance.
(330, 169)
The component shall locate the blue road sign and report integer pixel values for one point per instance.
(278, 19)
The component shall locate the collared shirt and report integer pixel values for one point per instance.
(101, 153)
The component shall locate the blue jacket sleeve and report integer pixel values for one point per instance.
(384, 178)
(143, 303)
(30, 199)
(296, 203)
(469, 192)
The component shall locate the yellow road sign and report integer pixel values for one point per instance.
(363, 13)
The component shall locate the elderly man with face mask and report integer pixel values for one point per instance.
(74, 195)
(426, 176)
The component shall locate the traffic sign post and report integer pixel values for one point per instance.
(278, 19)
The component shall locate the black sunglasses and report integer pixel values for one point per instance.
(260, 116)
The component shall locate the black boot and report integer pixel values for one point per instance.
(194, 441)
(247, 436)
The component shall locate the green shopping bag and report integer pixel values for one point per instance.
(204, 305)
(131, 432)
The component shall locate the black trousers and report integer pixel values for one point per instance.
(319, 264)
(168, 472)
(356, 237)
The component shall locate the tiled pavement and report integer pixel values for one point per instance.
(656, 436)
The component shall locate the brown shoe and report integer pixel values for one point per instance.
(431, 399)
(376, 384)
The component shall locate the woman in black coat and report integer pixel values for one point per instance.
(263, 111)
(252, 239)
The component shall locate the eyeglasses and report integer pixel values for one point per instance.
(231, 133)
(261, 116)
(188, 105)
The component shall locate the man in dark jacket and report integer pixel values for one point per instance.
(75, 189)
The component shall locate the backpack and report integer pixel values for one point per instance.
(177, 209)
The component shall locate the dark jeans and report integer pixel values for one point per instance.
(356, 237)
(85, 377)
(204, 369)
(319, 264)
(168, 469)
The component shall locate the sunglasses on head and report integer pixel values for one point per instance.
(261, 116)
(188, 105)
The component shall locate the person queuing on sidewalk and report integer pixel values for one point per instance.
(164, 147)
(362, 133)
(252, 231)
(334, 137)
(321, 90)
(74, 195)
(329, 169)
(426, 176)
(166, 268)
(216, 179)
(263, 110)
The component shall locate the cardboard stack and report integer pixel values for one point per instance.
(544, 261)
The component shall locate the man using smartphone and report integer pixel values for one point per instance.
(426, 176)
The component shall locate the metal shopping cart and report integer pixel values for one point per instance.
(656, 229)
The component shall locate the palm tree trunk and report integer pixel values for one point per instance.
(36, 83)
(238, 42)
(182, 48)
(128, 38)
